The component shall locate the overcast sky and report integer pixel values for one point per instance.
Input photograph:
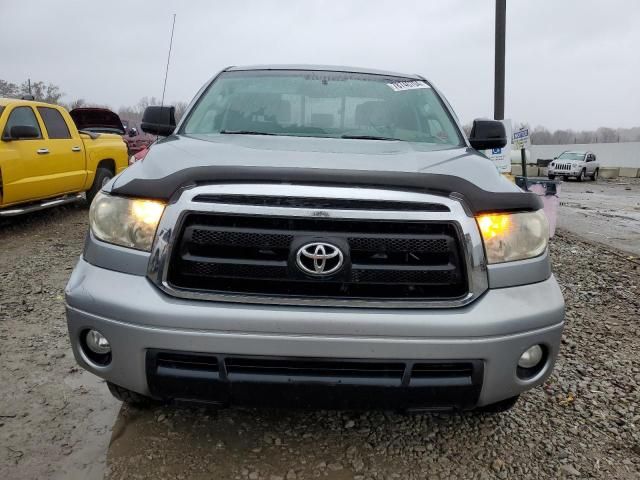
(570, 63)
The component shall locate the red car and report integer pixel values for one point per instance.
(139, 155)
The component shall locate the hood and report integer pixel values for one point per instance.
(179, 152)
(100, 120)
(568, 161)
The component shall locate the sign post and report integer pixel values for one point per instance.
(521, 141)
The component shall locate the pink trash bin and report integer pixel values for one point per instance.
(551, 203)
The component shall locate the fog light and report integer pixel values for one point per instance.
(97, 343)
(531, 357)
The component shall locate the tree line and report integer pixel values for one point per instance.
(44, 92)
(542, 136)
(50, 93)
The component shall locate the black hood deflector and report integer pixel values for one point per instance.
(476, 199)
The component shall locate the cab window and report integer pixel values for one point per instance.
(54, 123)
(325, 104)
(22, 116)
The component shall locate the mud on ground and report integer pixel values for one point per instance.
(607, 211)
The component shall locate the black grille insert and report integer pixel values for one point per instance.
(318, 382)
(435, 370)
(313, 368)
(253, 255)
(176, 361)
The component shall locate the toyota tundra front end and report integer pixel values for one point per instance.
(317, 236)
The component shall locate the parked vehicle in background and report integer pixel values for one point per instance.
(45, 160)
(139, 155)
(103, 120)
(579, 165)
(136, 139)
(97, 120)
(313, 236)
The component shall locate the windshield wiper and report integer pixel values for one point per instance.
(371, 137)
(245, 132)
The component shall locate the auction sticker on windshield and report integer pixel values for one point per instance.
(412, 85)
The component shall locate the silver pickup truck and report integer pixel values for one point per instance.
(317, 236)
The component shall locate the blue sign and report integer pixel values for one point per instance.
(522, 134)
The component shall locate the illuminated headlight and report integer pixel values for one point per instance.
(516, 236)
(129, 222)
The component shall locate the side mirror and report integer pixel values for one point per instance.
(159, 120)
(487, 134)
(18, 132)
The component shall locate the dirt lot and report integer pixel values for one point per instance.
(58, 422)
(607, 212)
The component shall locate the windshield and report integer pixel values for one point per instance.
(571, 156)
(323, 104)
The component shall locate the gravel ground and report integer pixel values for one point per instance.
(55, 420)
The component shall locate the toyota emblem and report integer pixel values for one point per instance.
(319, 258)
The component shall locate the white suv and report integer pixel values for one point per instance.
(575, 164)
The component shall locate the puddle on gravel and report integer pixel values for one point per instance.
(88, 459)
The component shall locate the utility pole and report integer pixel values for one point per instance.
(498, 96)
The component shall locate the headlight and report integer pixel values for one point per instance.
(130, 222)
(516, 236)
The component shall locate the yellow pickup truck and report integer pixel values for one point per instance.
(46, 161)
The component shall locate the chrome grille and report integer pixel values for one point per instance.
(563, 166)
(405, 258)
(242, 254)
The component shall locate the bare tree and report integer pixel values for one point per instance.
(77, 103)
(43, 92)
(147, 102)
(606, 135)
(181, 107)
(8, 89)
(541, 136)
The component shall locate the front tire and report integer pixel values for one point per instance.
(103, 175)
(552, 177)
(129, 397)
(580, 177)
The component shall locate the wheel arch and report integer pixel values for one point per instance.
(108, 163)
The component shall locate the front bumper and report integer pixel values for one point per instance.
(565, 173)
(492, 332)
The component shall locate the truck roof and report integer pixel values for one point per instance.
(323, 68)
(17, 101)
